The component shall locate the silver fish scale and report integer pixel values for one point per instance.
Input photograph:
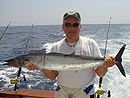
(69, 63)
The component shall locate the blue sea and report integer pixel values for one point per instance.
(14, 40)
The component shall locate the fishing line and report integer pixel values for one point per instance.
(5, 30)
(20, 69)
(101, 79)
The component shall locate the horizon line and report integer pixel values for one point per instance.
(61, 24)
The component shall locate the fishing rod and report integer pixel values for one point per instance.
(15, 81)
(5, 30)
(100, 90)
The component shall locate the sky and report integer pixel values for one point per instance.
(50, 12)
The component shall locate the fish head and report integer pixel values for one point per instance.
(28, 58)
(15, 62)
(33, 58)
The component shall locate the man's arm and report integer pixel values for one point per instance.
(108, 62)
(51, 74)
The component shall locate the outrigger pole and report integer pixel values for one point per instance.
(5, 30)
(101, 79)
(20, 69)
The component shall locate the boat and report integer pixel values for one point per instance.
(25, 93)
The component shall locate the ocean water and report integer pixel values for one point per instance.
(13, 43)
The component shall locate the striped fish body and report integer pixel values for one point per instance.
(57, 61)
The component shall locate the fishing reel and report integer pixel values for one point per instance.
(16, 80)
(101, 91)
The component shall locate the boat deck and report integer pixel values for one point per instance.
(25, 93)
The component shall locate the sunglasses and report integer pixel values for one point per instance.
(67, 24)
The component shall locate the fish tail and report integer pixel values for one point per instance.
(118, 59)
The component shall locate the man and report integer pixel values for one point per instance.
(78, 84)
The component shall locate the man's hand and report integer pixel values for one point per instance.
(32, 66)
(51, 74)
(109, 61)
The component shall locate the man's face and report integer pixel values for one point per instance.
(71, 27)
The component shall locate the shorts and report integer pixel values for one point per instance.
(66, 92)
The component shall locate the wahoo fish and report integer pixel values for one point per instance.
(62, 62)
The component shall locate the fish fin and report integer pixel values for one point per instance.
(37, 51)
(118, 59)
